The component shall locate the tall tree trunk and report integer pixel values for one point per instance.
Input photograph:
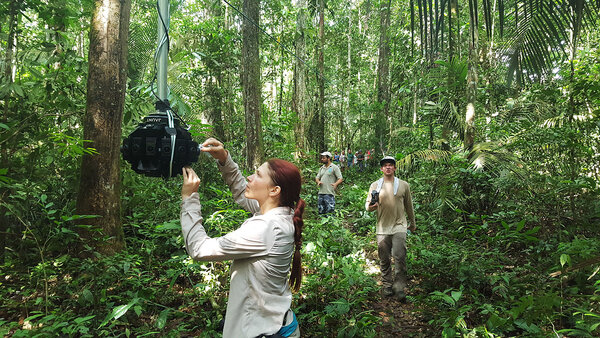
(431, 28)
(451, 14)
(415, 98)
(574, 165)
(349, 82)
(383, 72)
(99, 189)
(299, 96)
(320, 123)
(6, 78)
(215, 97)
(251, 84)
(412, 28)
(469, 137)
(281, 78)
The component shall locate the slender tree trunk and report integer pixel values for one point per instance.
(415, 100)
(519, 73)
(320, 123)
(412, 28)
(450, 80)
(469, 137)
(99, 189)
(458, 44)
(299, 97)
(251, 84)
(349, 82)
(435, 27)
(281, 80)
(431, 28)
(227, 85)
(383, 72)
(574, 166)
(6, 78)
(215, 96)
(451, 14)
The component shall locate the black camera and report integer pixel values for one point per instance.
(155, 149)
(374, 197)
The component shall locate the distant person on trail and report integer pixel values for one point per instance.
(343, 161)
(261, 248)
(360, 158)
(336, 158)
(393, 205)
(350, 158)
(328, 178)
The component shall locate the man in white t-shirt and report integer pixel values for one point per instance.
(393, 205)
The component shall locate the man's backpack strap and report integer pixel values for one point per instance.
(396, 185)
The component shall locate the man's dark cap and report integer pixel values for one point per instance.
(387, 159)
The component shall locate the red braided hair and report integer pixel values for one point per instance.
(287, 176)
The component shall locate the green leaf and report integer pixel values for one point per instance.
(87, 295)
(83, 319)
(17, 89)
(456, 295)
(161, 321)
(30, 318)
(169, 225)
(2, 125)
(565, 259)
(118, 312)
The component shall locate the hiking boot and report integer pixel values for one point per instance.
(388, 292)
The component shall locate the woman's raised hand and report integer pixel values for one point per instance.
(191, 182)
(216, 149)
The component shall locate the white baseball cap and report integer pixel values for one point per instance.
(387, 159)
(326, 153)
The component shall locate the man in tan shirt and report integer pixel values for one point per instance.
(393, 207)
(328, 178)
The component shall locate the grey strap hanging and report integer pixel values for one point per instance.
(396, 185)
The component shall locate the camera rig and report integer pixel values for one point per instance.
(160, 146)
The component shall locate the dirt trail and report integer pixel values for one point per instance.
(402, 318)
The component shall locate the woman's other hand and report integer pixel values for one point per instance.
(191, 182)
(216, 149)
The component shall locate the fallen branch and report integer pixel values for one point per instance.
(577, 266)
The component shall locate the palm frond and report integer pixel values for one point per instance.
(427, 155)
(451, 76)
(542, 30)
(453, 119)
(493, 157)
(142, 43)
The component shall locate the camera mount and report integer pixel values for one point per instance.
(160, 146)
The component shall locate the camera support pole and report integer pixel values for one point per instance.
(162, 105)
(160, 146)
(163, 49)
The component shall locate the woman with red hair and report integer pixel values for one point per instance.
(261, 248)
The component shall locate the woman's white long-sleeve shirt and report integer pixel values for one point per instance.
(261, 250)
